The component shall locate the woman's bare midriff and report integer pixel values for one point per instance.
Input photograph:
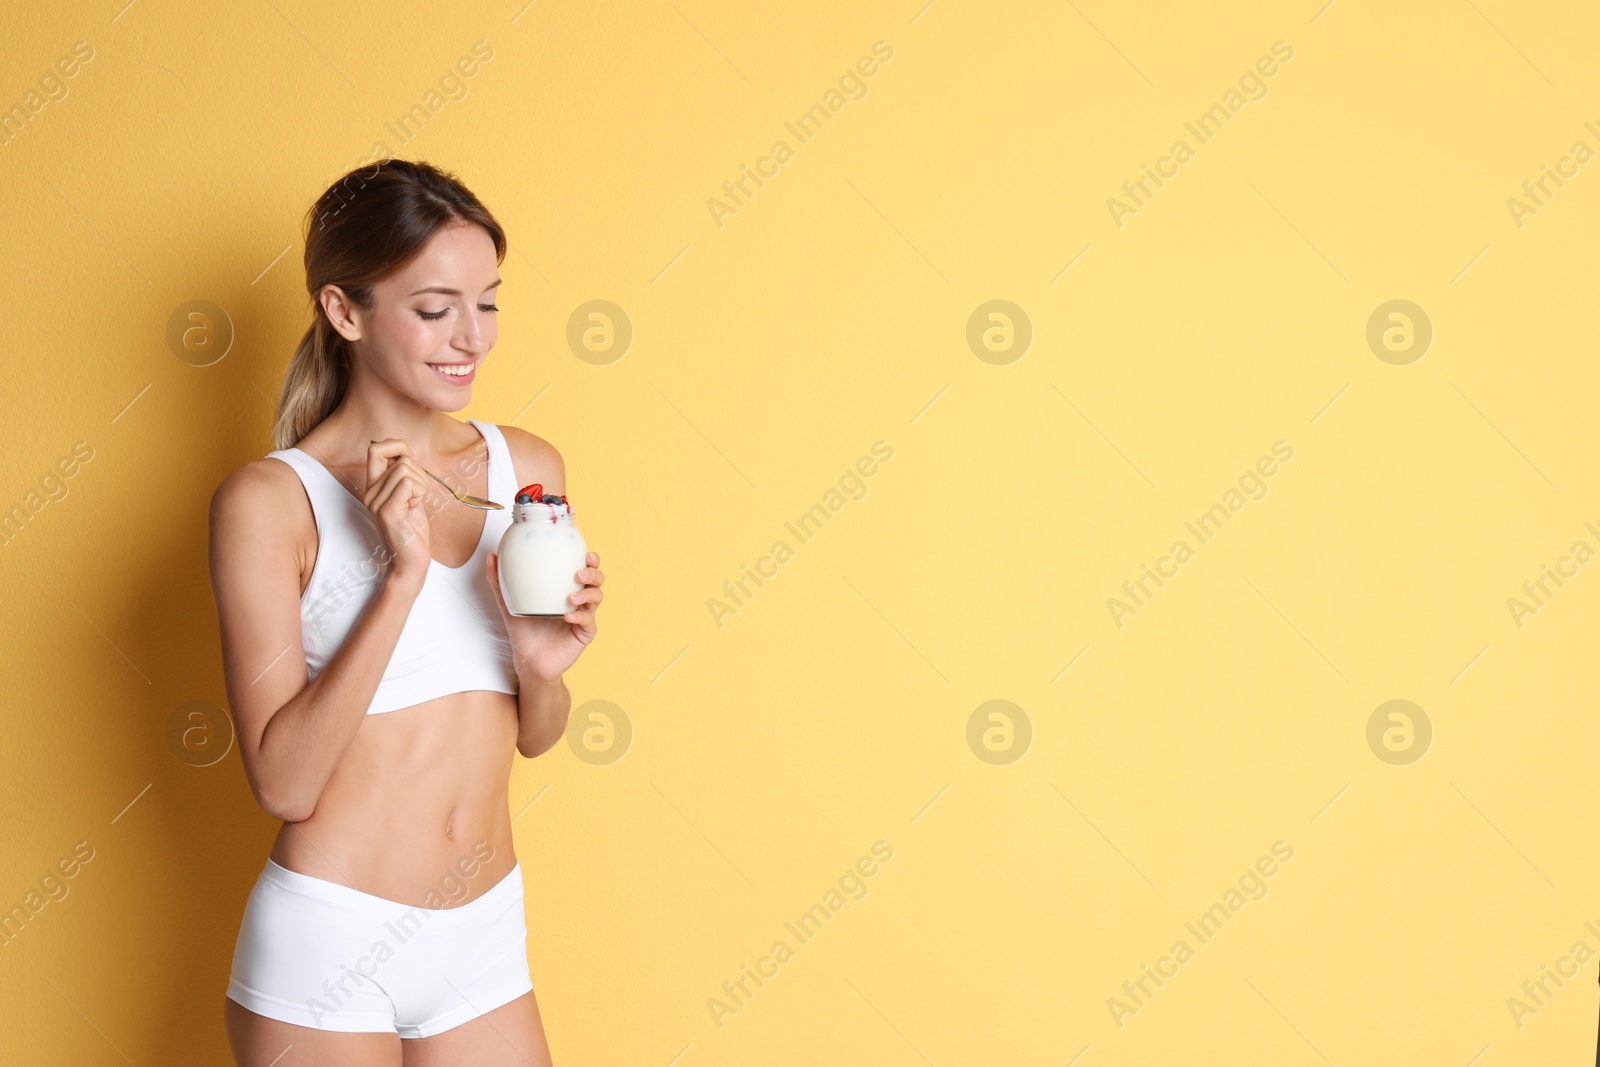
(418, 800)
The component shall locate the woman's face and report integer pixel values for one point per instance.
(435, 316)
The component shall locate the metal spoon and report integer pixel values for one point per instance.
(466, 498)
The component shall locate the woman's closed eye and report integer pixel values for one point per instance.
(444, 311)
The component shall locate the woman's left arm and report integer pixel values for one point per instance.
(542, 709)
(541, 650)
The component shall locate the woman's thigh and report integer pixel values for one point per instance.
(511, 1035)
(258, 1041)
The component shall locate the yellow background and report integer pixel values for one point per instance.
(768, 355)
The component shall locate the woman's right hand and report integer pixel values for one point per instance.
(396, 492)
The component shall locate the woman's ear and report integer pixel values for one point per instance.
(341, 312)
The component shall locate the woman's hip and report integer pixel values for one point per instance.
(318, 953)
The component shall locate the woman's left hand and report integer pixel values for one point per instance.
(545, 647)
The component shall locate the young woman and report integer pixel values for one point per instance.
(378, 685)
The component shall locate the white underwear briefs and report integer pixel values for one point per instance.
(320, 954)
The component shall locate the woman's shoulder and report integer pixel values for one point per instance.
(261, 540)
(259, 492)
(535, 459)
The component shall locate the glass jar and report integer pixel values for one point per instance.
(540, 555)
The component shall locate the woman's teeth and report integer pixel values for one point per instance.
(461, 370)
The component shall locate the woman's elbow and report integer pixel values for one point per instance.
(281, 801)
(538, 746)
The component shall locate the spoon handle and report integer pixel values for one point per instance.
(465, 498)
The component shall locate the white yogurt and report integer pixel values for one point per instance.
(540, 556)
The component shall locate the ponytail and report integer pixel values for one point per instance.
(316, 381)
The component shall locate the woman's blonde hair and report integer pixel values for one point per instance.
(369, 224)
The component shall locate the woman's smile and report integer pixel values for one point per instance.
(457, 373)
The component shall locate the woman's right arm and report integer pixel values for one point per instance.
(292, 733)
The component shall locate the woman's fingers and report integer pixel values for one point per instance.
(379, 456)
(388, 460)
(400, 488)
(405, 529)
(403, 472)
(493, 567)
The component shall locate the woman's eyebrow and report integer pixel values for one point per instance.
(452, 292)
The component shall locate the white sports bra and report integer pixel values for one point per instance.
(454, 640)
